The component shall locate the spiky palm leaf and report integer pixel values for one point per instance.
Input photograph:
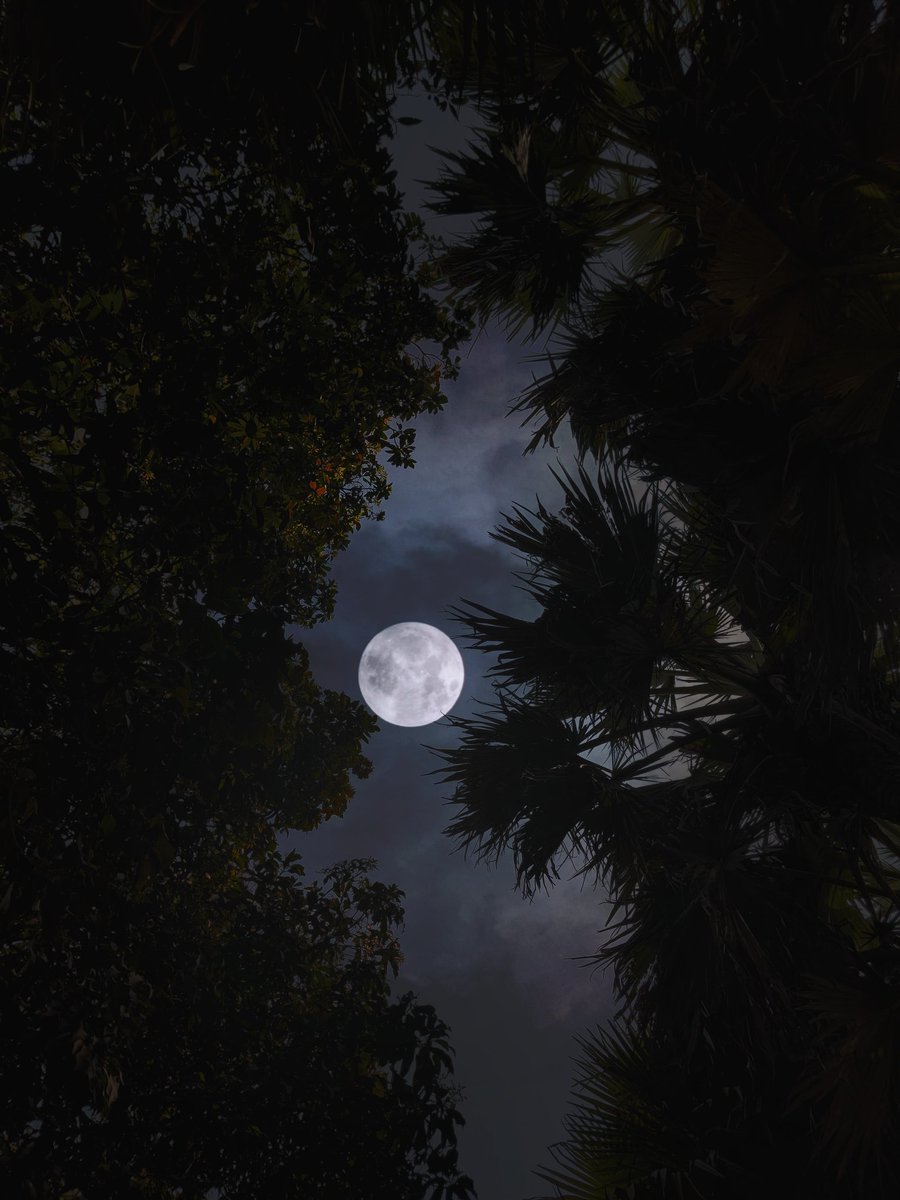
(564, 117)
(623, 662)
(524, 786)
(542, 224)
(856, 1088)
(632, 1130)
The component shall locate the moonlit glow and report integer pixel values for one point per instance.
(411, 674)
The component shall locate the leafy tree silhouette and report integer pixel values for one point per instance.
(209, 288)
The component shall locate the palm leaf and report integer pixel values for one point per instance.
(523, 784)
(538, 239)
(631, 1125)
(623, 661)
(857, 1086)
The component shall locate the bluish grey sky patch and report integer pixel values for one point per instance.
(499, 969)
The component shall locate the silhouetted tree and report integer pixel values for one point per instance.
(717, 603)
(209, 292)
(238, 1037)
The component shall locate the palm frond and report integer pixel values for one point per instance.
(522, 784)
(623, 661)
(632, 1124)
(539, 277)
(601, 374)
(857, 1086)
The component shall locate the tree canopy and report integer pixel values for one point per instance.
(211, 306)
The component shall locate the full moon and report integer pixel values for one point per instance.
(411, 674)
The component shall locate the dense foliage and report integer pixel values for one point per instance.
(704, 714)
(209, 295)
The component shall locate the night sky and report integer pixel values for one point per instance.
(498, 968)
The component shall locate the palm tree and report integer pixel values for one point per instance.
(756, 885)
(704, 714)
(769, 311)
